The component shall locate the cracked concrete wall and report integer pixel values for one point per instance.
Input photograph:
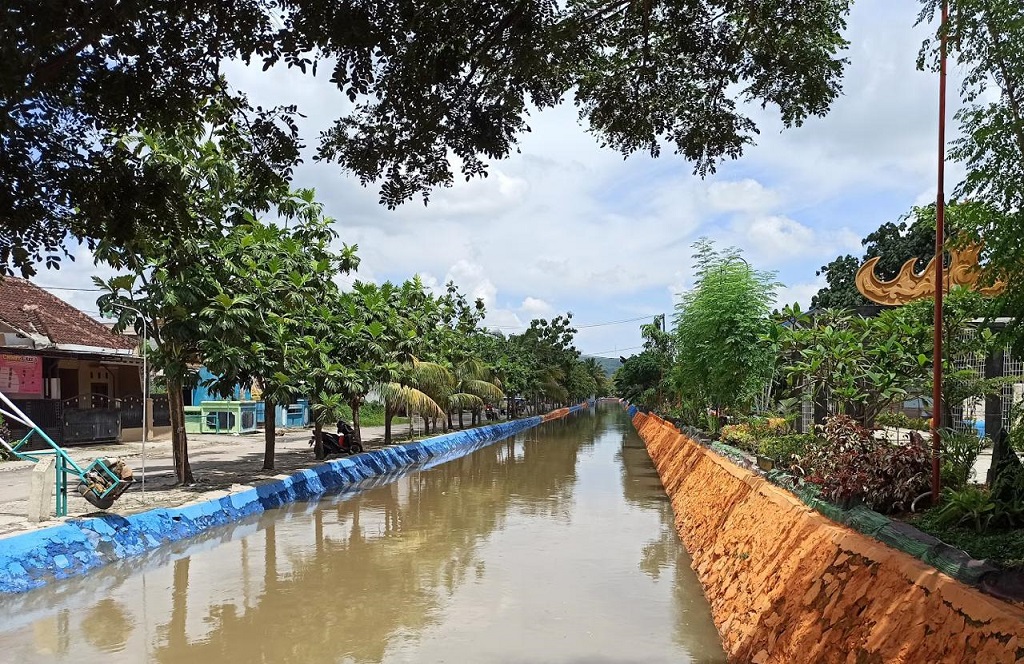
(786, 584)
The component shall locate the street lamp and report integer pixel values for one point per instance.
(145, 388)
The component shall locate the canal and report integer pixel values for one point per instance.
(553, 546)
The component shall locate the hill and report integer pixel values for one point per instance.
(609, 364)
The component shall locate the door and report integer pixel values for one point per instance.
(68, 383)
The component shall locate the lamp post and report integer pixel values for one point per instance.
(145, 388)
(940, 219)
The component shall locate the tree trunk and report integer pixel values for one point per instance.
(426, 425)
(318, 441)
(389, 414)
(355, 404)
(450, 424)
(269, 432)
(462, 425)
(179, 441)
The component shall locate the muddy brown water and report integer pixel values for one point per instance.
(553, 546)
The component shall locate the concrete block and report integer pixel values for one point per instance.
(40, 491)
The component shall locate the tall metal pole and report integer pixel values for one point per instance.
(145, 389)
(940, 234)
(145, 400)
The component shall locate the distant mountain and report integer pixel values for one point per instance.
(609, 364)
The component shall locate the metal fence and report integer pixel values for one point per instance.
(161, 411)
(1013, 393)
(131, 411)
(965, 415)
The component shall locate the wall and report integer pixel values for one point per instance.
(785, 584)
(32, 559)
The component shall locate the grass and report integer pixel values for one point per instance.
(372, 415)
(1004, 546)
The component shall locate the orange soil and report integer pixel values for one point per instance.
(788, 585)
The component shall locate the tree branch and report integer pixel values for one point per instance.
(1009, 89)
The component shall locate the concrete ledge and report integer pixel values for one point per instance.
(33, 559)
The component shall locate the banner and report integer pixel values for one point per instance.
(21, 374)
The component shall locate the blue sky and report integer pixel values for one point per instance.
(568, 226)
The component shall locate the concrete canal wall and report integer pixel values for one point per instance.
(786, 584)
(35, 558)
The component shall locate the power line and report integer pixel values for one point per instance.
(614, 350)
(68, 288)
(581, 327)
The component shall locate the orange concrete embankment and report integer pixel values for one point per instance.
(788, 585)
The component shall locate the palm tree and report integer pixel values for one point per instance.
(596, 372)
(475, 386)
(417, 389)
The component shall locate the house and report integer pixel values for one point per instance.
(79, 381)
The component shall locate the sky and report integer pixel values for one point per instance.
(566, 225)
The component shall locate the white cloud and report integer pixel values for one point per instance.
(800, 293)
(536, 307)
(747, 195)
(471, 279)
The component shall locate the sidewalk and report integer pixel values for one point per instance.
(219, 463)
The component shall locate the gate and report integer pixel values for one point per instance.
(91, 418)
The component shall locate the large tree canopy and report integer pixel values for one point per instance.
(427, 81)
(985, 44)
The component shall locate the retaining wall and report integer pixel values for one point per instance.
(786, 584)
(32, 559)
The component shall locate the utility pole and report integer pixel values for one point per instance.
(940, 222)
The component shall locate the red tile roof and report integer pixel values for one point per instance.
(31, 310)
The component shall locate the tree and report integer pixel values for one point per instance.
(429, 85)
(853, 365)
(548, 349)
(721, 359)
(274, 280)
(639, 378)
(984, 42)
(894, 243)
(597, 374)
(171, 278)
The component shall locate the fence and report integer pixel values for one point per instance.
(161, 411)
(1013, 393)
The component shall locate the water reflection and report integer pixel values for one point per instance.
(518, 552)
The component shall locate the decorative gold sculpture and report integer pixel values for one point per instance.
(963, 270)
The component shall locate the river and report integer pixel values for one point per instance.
(553, 546)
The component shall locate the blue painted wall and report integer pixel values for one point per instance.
(202, 393)
(33, 559)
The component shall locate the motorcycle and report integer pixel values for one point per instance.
(342, 442)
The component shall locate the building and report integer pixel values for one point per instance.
(79, 381)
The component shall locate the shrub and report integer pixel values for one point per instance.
(851, 466)
(959, 452)
(5, 433)
(739, 435)
(972, 505)
(787, 449)
(900, 420)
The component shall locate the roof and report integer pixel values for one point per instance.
(43, 317)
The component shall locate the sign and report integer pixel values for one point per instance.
(21, 374)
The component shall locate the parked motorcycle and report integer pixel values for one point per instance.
(342, 442)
